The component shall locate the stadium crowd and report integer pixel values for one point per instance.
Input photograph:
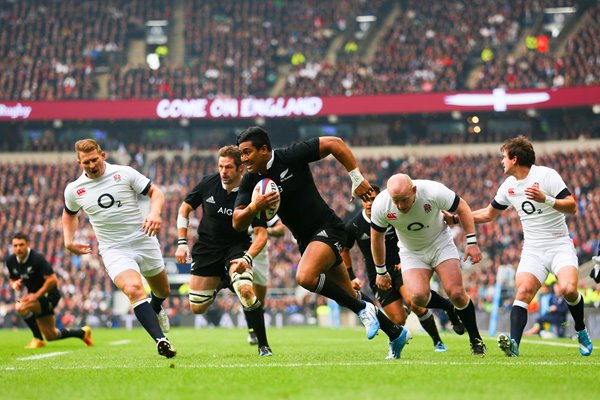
(52, 50)
(31, 201)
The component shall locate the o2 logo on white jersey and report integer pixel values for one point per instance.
(528, 208)
(106, 200)
(416, 226)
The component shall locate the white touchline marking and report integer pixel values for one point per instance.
(46, 355)
(120, 342)
(550, 343)
(490, 363)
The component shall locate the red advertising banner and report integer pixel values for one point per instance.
(498, 100)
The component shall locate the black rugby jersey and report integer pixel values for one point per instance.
(216, 227)
(302, 209)
(358, 230)
(32, 271)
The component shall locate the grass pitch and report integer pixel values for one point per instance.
(308, 363)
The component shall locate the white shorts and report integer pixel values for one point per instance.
(442, 249)
(141, 254)
(551, 258)
(260, 268)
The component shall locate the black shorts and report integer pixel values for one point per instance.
(386, 297)
(215, 262)
(334, 236)
(47, 304)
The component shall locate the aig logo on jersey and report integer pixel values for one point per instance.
(226, 211)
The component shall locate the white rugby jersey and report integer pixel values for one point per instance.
(419, 227)
(263, 256)
(541, 223)
(110, 201)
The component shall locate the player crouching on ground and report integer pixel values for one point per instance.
(31, 269)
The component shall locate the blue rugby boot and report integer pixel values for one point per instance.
(368, 317)
(398, 344)
(585, 343)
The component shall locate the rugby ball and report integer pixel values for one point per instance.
(265, 186)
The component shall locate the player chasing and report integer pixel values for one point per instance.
(260, 268)
(426, 245)
(358, 230)
(108, 194)
(30, 269)
(541, 199)
(319, 232)
(222, 257)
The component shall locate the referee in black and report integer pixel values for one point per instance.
(30, 269)
(221, 256)
(319, 232)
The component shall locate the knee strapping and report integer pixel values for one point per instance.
(238, 281)
(201, 297)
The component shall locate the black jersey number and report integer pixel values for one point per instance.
(107, 201)
(529, 208)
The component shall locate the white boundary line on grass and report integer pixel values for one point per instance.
(550, 343)
(45, 355)
(120, 342)
(323, 364)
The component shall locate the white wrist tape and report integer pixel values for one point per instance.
(182, 222)
(356, 178)
(248, 258)
(550, 201)
(471, 239)
(380, 269)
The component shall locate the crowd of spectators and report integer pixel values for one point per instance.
(50, 50)
(418, 53)
(31, 201)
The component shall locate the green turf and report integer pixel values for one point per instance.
(311, 363)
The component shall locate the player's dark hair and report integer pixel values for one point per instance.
(257, 136)
(521, 148)
(376, 188)
(21, 235)
(232, 152)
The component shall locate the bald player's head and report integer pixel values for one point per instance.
(402, 191)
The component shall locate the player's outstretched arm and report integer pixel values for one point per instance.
(484, 215)
(70, 223)
(340, 150)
